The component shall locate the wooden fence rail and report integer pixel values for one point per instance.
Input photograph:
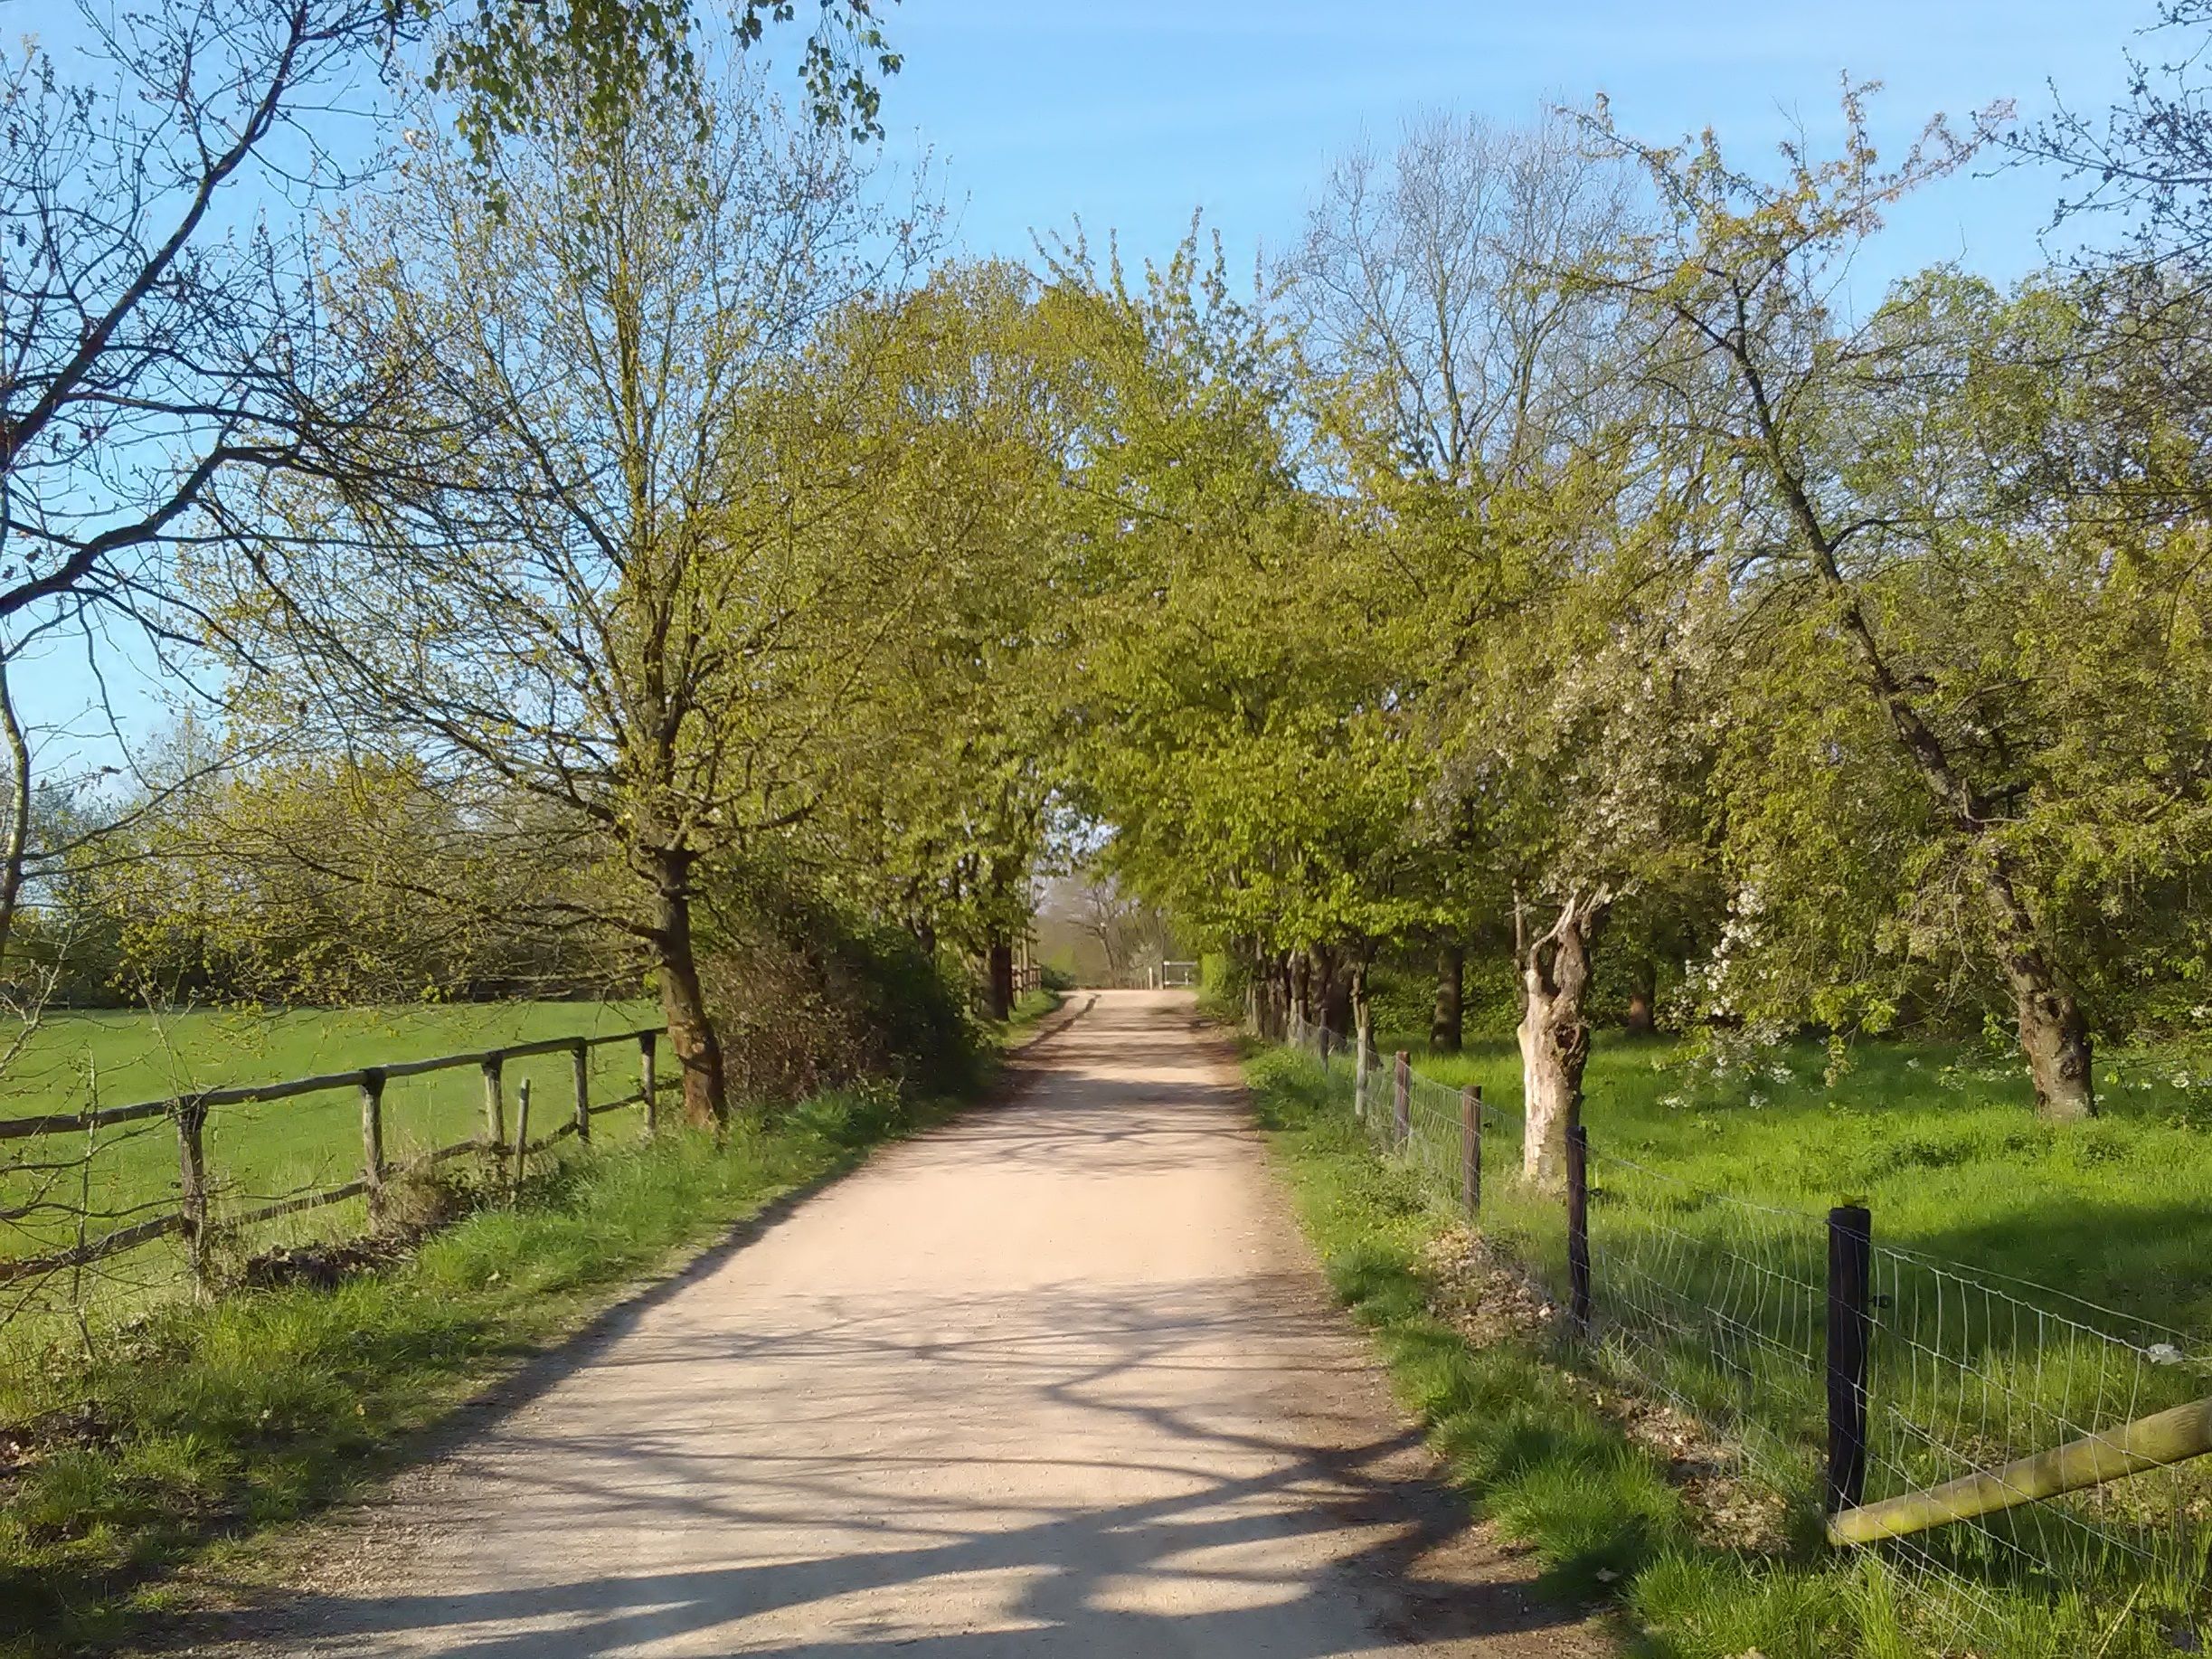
(191, 1218)
(2153, 1442)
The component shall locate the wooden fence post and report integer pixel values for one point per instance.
(1578, 1229)
(646, 1081)
(495, 1109)
(522, 1127)
(1362, 1050)
(1471, 1150)
(1401, 1096)
(192, 1185)
(1851, 1263)
(372, 1142)
(579, 1063)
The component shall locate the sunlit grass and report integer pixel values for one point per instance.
(1557, 1473)
(206, 1423)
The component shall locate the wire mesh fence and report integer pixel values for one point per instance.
(2001, 1467)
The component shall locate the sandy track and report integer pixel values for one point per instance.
(1060, 1378)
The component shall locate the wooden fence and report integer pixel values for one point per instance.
(190, 1218)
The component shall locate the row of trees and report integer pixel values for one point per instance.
(629, 539)
(1566, 570)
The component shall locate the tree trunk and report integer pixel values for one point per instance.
(1555, 1039)
(999, 970)
(1643, 998)
(1363, 1041)
(1337, 998)
(2054, 1036)
(1447, 1024)
(690, 1031)
(1301, 987)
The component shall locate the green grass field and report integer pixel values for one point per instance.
(127, 1056)
(260, 1152)
(1938, 1141)
(1995, 1234)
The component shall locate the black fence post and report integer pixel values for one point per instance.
(372, 1142)
(580, 1067)
(1851, 1329)
(1578, 1229)
(1401, 1097)
(1470, 1149)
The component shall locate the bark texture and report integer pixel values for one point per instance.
(1447, 1022)
(1555, 1038)
(690, 1031)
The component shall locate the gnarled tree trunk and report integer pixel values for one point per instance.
(2054, 1036)
(1555, 1038)
(690, 1031)
(1446, 1024)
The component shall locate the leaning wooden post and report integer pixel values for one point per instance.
(646, 1081)
(1578, 1229)
(1850, 1329)
(372, 1142)
(522, 1128)
(1401, 1096)
(494, 1110)
(579, 1064)
(192, 1185)
(1363, 1049)
(1471, 1150)
(2154, 1442)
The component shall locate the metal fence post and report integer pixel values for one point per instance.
(372, 1142)
(1471, 1150)
(580, 1062)
(1401, 1096)
(1850, 1324)
(192, 1186)
(495, 1109)
(1578, 1229)
(522, 1128)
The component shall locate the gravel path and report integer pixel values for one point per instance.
(1060, 1378)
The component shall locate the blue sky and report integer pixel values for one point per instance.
(1132, 114)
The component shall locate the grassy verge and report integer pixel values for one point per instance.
(1556, 1459)
(190, 1432)
(1032, 1009)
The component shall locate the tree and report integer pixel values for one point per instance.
(2148, 159)
(1865, 522)
(592, 564)
(944, 764)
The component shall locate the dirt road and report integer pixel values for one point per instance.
(1058, 1380)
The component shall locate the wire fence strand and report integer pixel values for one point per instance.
(1717, 1307)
